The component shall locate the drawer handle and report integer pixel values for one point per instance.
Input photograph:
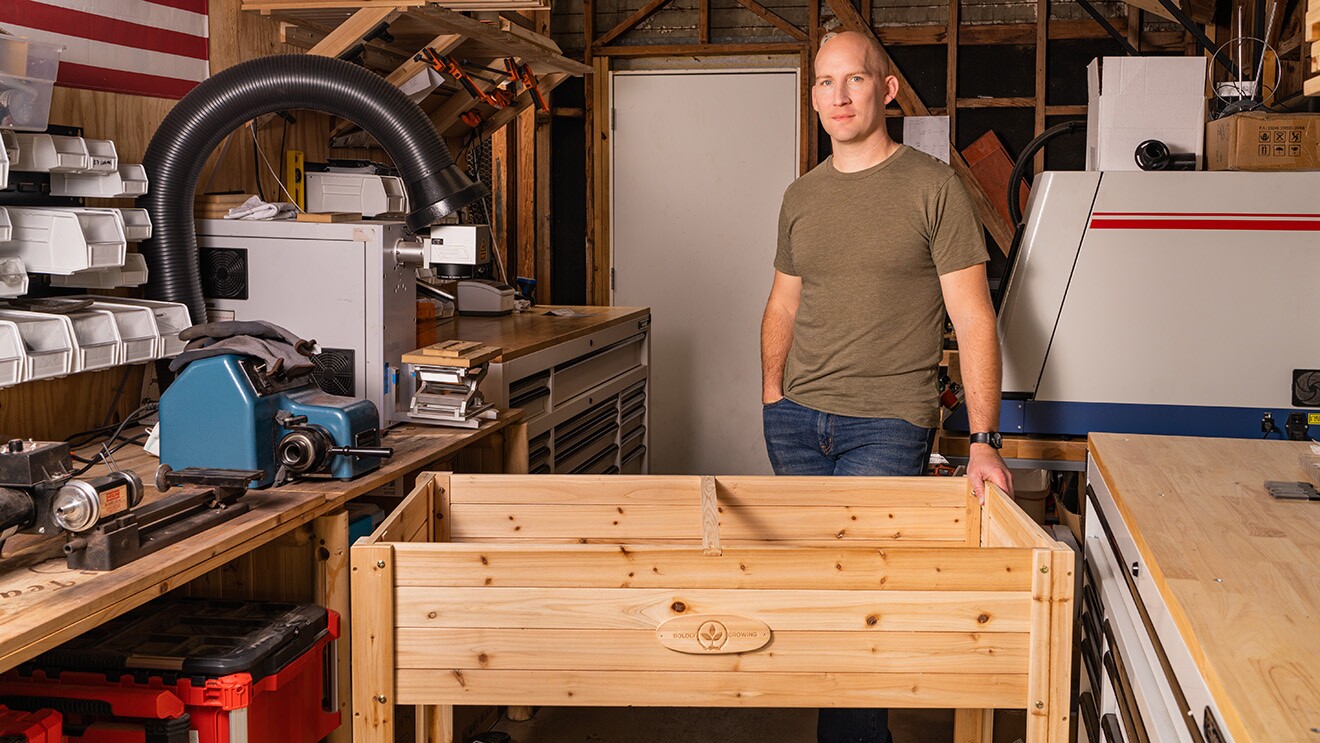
(1136, 569)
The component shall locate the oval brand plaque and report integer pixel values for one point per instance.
(713, 634)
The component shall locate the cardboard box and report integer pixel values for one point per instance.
(1132, 99)
(1263, 141)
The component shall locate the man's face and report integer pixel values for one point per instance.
(849, 93)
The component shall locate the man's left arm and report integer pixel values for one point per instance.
(967, 299)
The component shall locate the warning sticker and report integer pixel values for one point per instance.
(114, 500)
(1313, 419)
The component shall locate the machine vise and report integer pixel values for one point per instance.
(226, 412)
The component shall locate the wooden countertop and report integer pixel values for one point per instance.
(43, 603)
(524, 333)
(1239, 570)
(1021, 447)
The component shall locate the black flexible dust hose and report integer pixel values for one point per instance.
(1024, 161)
(1020, 167)
(197, 124)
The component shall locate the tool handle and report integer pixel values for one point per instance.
(383, 452)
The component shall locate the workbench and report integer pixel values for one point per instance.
(1202, 603)
(43, 603)
(582, 381)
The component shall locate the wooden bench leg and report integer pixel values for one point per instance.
(520, 714)
(332, 591)
(973, 725)
(436, 724)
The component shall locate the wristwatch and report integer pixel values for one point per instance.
(993, 438)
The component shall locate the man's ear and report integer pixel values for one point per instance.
(891, 89)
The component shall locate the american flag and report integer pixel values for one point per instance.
(148, 47)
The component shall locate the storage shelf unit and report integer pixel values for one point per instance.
(585, 401)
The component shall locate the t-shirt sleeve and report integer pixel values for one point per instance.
(957, 240)
(784, 253)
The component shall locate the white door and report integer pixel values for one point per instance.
(700, 162)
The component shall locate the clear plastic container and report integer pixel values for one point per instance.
(27, 76)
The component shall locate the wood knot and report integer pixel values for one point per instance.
(484, 561)
(982, 619)
(678, 607)
(872, 620)
(430, 615)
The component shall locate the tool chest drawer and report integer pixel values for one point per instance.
(1137, 671)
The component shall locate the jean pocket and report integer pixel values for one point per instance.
(776, 403)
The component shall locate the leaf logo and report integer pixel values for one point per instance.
(712, 635)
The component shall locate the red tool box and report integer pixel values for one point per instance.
(241, 671)
(41, 726)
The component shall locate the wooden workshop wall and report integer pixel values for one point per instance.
(56, 408)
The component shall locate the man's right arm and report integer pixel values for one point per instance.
(777, 333)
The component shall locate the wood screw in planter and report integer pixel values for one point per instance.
(381, 698)
(1043, 568)
(381, 564)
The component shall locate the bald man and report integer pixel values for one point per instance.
(876, 244)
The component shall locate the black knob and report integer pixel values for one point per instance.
(15, 445)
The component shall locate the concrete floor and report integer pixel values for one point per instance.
(677, 725)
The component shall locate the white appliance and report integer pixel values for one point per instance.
(1166, 303)
(484, 297)
(349, 286)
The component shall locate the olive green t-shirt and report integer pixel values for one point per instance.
(870, 247)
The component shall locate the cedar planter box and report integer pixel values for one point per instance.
(710, 592)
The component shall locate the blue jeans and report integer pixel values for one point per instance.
(802, 441)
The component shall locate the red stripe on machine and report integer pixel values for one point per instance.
(1285, 223)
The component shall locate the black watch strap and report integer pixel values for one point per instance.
(993, 438)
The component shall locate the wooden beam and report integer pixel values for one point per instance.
(266, 6)
(526, 178)
(1003, 34)
(1042, 47)
(774, 19)
(951, 70)
(598, 261)
(805, 120)
(443, 44)
(912, 105)
(1134, 19)
(1066, 110)
(698, 50)
(500, 190)
(589, 114)
(988, 102)
(544, 245)
(513, 44)
(703, 21)
(631, 21)
(349, 33)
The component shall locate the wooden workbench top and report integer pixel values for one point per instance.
(1239, 570)
(43, 603)
(525, 333)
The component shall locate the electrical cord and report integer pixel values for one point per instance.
(106, 452)
(92, 434)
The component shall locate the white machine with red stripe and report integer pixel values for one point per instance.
(1167, 302)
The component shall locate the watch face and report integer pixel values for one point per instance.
(997, 440)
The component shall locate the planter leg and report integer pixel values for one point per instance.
(520, 714)
(973, 725)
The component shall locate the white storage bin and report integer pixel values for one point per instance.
(102, 156)
(4, 167)
(99, 345)
(137, 329)
(48, 342)
(132, 273)
(368, 195)
(27, 75)
(87, 185)
(137, 224)
(63, 241)
(10, 144)
(51, 153)
(12, 358)
(6, 229)
(133, 180)
(13, 278)
(172, 318)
